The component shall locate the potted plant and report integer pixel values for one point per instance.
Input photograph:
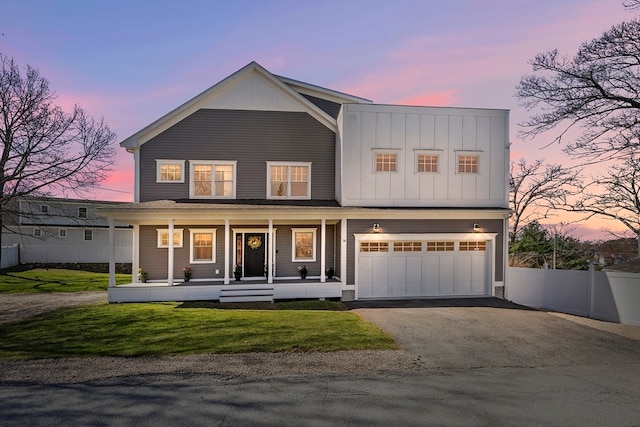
(330, 273)
(237, 271)
(302, 269)
(187, 273)
(142, 275)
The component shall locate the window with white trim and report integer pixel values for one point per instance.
(374, 246)
(169, 171)
(468, 163)
(473, 246)
(212, 179)
(303, 242)
(427, 162)
(203, 245)
(44, 209)
(88, 235)
(386, 162)
(83, 212)
(407, 246)
(37, 232)
(62, 233)
(288, 180)
(440, 246)
(163, 237)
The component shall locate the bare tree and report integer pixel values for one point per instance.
(44, 150)
(595, 93)
(615, 195)
(536, 190)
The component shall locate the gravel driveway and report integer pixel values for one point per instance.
(15, 307)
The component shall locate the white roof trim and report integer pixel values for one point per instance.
(194, 104)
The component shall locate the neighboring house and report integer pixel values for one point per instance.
(57, 230)
(266, 175)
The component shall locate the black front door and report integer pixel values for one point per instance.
(254, 254)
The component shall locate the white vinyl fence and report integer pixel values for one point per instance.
(9, 256)
(611, 295)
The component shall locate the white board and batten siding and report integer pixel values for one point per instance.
(419, 272)
(407, 131)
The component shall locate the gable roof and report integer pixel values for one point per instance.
(283, 90)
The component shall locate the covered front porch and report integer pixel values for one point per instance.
(240, 291)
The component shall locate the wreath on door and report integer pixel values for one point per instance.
(254, 242)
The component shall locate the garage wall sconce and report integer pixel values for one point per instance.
(376, 228)
(476, 228)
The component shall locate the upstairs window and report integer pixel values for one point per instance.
(468, 163)
(82, 212)
(44, 209)
(88, 235)
(213, 180)
(37, 232)
(170, 171)
(288, 180)
(386, 162)
(62, 233)
(427, 163)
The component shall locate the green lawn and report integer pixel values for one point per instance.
(55, 280)
(177, 328)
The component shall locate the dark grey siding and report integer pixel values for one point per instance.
(331, 108)
(287, 268)
(249, 137)
(424, 226)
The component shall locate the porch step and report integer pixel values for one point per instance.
(246, 293)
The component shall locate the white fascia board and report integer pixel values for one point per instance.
(191, 106)
(322, 92)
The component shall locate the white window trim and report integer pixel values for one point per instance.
(288, 196)
(293, 244)
(193, 231)
(427, 152)
(160, 162)
(84, 235)
(166, 231)
(86, 210)
(395, 151)
(44, 209)
(37, 232)
(62, 233)
(213, 164)
(476, 153)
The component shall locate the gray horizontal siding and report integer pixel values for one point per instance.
(424, 226)
(249, 137)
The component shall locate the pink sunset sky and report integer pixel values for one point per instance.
(133, 61)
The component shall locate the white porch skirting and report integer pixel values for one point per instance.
(158, 292)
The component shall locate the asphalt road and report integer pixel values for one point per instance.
(477, 365)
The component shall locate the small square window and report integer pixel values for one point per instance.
(386, 162)
(88, 235)
(427, 163)
(37, 232)
(82, 212)
(163, 238)
(467, 164)
(169, 171)
(44, 209)
(62, 233)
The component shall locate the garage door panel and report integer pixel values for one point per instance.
(463, 273)
(365, 276)
(414, 276)
(399, 276)
(380, 279)
(479, 279)
(446, 275)
(430, 275)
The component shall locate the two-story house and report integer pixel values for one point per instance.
(268, 177)
(53, 230)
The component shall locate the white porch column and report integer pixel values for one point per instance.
(323, 249)
(135, 254)
(270, 261)
(170, 255)
(343, 251)
(227, 252)
(112, 254)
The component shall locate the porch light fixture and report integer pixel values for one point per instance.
(476, 228)
(376, 228)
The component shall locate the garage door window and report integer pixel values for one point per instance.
(473, 246)
(407, 246)
(374, 246)
(440, 246)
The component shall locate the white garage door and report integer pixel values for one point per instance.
(421, 268)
